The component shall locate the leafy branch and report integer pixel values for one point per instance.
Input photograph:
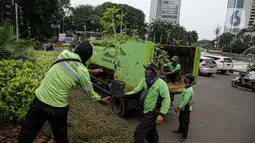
(112, 21)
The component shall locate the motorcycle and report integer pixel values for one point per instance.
(246, 83)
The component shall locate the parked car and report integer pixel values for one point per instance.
(224, 64)
(207, 66)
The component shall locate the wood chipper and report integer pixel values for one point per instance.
(131, 71)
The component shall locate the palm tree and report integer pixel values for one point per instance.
(169, 31)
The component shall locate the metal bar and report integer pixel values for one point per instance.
(102, 89)
(94, 78)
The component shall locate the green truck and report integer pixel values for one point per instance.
(131, 70)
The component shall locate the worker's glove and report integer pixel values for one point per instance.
(105, 101)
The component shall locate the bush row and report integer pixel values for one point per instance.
(18, 82)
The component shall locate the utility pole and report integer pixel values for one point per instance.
(121, 21)
(85, 31)
(63, 24)
(218, 42)
(17, 21)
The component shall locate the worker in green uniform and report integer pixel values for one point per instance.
(172, 69)
(155, 104)
(50, 102)
(185, 107)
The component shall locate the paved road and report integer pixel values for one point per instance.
(221, 114)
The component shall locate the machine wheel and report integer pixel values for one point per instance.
(118, 105)
(234, 84)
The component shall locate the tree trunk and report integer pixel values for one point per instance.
(161, 35)
(154, 36)
(167, 38)
(116, 64)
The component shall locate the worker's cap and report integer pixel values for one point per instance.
(153, 66)
(189, 77)
(175, 58)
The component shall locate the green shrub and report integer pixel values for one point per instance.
(251, 64)
(18, 82)
(10, 48)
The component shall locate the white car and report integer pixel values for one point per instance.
(207, 66)
(224, 64)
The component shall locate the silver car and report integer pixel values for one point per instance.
(224, 64)
(207, 66)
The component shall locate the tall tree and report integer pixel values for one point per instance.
(226, 39)
(40, 14)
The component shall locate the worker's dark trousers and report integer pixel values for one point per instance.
(184, 119)
(37, 115)
(147, 129)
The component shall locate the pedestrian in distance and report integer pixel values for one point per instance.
(185, 107)
(50, 102)
(155, 100)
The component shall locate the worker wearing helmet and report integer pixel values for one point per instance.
(155, 103)
(173, 69)
(185, 107)
(50, 102)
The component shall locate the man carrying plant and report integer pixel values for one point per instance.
(50, 103)
(155, 102)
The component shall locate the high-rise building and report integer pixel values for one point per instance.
(239, 14)
(251, 13)
(167, 10)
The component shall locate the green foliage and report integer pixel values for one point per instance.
(18, 81)
(160, 55)
(237, 47)
(226, 39)
(167, 33)
(39, 15)
(9, 47)
(251, 64)
(111, 21)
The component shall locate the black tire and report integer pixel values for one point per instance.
(118, 106)
(199, 72)
(223, 72)
(253, 87)
(209, 74)
(234, 84)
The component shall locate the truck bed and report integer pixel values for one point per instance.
(176, 87)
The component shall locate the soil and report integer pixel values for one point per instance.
(9, 133)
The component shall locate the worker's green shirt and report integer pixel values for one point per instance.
(185, 97)
(159, 88)
(171, 67)
(61, 78)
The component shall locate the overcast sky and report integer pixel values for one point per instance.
(200, 15)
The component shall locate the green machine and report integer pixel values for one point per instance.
(131, 71)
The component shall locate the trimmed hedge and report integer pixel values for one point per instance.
(18, 82)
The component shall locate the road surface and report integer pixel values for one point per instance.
(221, 114)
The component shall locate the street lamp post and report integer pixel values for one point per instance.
(85, 31)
